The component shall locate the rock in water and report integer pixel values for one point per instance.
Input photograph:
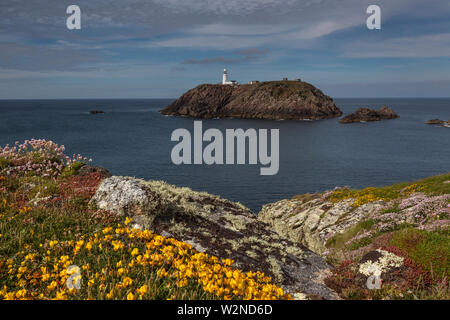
(438, 122)
(276, 100)
(366, 114)
(97, 112)
(218, 227)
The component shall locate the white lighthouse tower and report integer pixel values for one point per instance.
(225, 78)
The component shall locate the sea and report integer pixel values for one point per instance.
(133, 139)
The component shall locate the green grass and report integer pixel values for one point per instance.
(72, 169)
(431, 186)
(339, 241)
(431, 250)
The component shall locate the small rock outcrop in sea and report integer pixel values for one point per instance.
(218, 227)
(366, 115)
(96, 112)
(276, 100)
(439, 122)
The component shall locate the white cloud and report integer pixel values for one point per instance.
(238, 29)
(434, 45)
(210, 42)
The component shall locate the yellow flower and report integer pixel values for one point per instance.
(127, 281)
(122, 271)
(143, 290)
(130, 296)
(52, 285)
(127, 220)
(53, 243)
(182, 283)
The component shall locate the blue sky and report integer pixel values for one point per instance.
(161, 48)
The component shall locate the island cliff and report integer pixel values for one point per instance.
(275, 100)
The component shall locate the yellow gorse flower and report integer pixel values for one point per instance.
(176, 265)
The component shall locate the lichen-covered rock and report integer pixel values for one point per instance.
(379, 262)
(313, 222)
(218, 227)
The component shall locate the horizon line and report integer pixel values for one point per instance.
(56, 99)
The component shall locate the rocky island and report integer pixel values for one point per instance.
(275, 100)
(366, 115)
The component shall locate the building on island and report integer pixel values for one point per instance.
(225, 80)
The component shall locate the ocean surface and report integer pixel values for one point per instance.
(133, 139)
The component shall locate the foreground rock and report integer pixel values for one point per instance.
(277, 100)
(312, 220)
(366, 115)
(218, 227)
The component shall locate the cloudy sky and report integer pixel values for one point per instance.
(161, 48)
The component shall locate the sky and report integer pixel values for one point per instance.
(162, 48)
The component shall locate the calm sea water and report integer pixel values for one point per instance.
(133, 139)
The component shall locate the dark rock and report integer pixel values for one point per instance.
(372, 256)
(97, 112)
(277, 100)
(366, 114)
(438, 122)
(87, 169)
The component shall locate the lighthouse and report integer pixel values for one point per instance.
(225, 78)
